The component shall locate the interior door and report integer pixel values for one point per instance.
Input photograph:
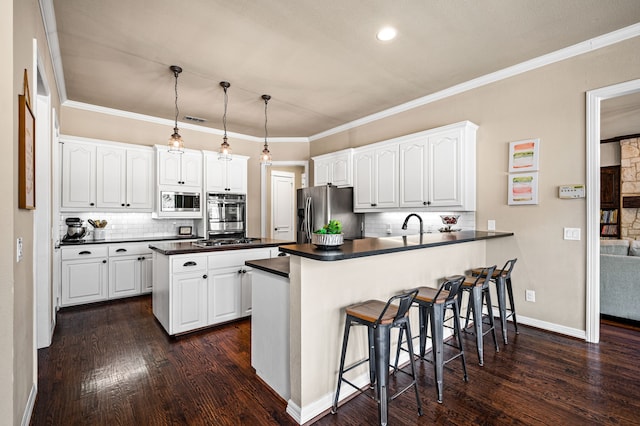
(282, 206)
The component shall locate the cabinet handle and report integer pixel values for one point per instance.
(92, 204)
(85, 252)
(373, 204)
(424, 203)
(190, 263)
(104, 261)
(120, 250)
(204, 276)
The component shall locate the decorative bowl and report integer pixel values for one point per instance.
(448, 221)
(327, 241)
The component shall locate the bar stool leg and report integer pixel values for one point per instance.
(372, 354)
(423, 314)
(502, 306)
(512, 304)
(457, 331)
(382, 337)
(436, 314)
(345, 339)
(413, 366)
(492, 324)
(476, 302)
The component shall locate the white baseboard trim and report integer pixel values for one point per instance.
(545, 325)
(31, 402)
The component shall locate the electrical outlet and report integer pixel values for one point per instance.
(491, 225)
(19, 249)
(530, 296)
(389, 228)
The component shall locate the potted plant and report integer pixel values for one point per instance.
(330, 235)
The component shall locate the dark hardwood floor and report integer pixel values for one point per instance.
(112, 364)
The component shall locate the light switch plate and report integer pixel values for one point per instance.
(572, 234)
(491, 225)
(19, 249)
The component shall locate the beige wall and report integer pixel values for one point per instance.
(17, 292)
(77, 122)
(548, 103)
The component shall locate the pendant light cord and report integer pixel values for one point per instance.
(175, 73)
(224, 116)
(265, 122)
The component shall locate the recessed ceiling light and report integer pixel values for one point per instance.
(386, 34)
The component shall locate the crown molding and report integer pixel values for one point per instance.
(541, 61)
(51, 32)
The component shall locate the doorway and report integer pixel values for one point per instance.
(594, 99)
(282, 205)
(299, 169)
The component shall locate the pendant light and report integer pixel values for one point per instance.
(176, 145)
(265, 157)
(225, 150)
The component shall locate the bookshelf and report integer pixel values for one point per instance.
(610, 223)
(610, 202)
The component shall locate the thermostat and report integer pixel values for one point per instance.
(571, 191)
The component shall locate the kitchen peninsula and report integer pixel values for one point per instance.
(323, 282)
(196, 286)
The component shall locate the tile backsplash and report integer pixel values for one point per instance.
(129, 225)
(377, 224)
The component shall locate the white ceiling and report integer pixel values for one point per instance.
(319, 60)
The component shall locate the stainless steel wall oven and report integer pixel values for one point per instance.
(226, 214)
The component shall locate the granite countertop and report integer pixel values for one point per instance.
(376, 246)
(275, 265)
(130, 240)
(187, 247)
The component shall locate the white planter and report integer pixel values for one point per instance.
(327, 240)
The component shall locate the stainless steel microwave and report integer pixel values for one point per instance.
(179, 201)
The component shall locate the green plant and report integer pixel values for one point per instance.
(333, 227)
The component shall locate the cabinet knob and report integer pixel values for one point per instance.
(142, 258)
(424, 203)
(122, 204)
(139, 258)
(373, 204)
(92, 204)
(104, 261)
(128, 205)
(204, 276)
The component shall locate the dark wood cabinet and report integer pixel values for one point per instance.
(610, 201)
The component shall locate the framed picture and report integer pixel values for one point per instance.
(523, 189)
(26, 156)
(524, 155)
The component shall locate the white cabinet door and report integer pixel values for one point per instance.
(246, 292)
(224, 291)
(237, 175)
(334, 168)
(169, 168)
(386, 175)
(84, 281)
(341, 171)
(364, 180)
(78, 175)
(321, 172)
(191, 169)
(146, 273)
(413, 174)
(189, 302)
(111, 177)
(140, 180)
(445, 169)
(124, 276)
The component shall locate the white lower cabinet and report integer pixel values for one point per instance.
(129, 270)
(189, 310)
(84, 275)
(224, 292)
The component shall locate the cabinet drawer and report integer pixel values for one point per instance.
(128, 250)
(236, 257)
(189, 264)
(84, 252)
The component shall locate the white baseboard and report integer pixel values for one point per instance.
(547, 326)
(31, 402)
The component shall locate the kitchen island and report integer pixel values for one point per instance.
(323, 282)
(196, 287)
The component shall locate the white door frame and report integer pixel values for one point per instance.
(263, 188)
(292, 225)
(594, 98)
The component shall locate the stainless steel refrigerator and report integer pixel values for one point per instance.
(319, 204)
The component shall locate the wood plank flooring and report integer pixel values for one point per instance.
(112, 364)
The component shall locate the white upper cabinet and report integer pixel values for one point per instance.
(179, 171)
(437, 168)
(78, 175)
(376, 177)
(106, 175)
(430, 170)
(334, 169)
(225, 176)
(125, 178)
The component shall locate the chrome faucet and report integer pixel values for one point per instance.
(404, 225)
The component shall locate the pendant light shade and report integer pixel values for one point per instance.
(265, 157)
(225, 149)
(176, 144)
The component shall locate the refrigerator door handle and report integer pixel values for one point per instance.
(308, 218)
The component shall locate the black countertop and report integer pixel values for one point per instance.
(276, 265)
(128, 240)
(375, 246)
(186, 247)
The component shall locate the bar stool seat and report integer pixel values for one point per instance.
(479, 294)
(502, 279)
(379, 318)
(433, 304)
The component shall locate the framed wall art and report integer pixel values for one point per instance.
(524, 155)
(26, 155)
(523, 189)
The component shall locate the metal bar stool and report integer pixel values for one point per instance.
(379, 317)
(502, 278)
(478, 289)
(433, 304)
